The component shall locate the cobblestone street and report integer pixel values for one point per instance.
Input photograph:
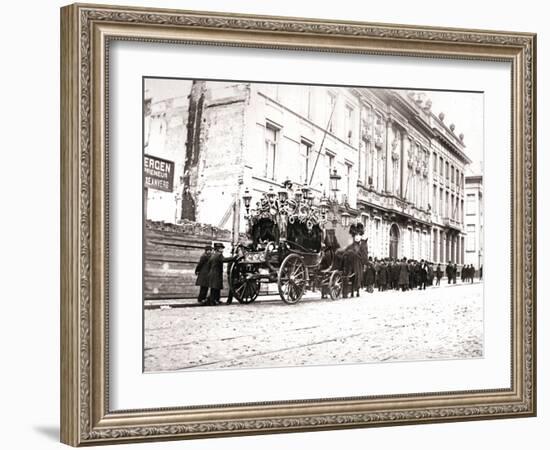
(439, 323)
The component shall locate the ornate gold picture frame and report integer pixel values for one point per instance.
(87, 31)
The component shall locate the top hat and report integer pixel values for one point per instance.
(218, 245)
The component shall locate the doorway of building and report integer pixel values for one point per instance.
(394, 241)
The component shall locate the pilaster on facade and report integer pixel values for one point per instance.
(388, 155)
(404, 138)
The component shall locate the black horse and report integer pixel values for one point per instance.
(355, 256)
(350, 261)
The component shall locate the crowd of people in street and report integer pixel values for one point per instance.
(406, 274)
(381, 274)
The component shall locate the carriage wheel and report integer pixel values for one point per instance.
(291, 279)
(335, 285)
(245, 288)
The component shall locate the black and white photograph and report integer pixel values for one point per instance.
(291, 225)
(243, 225)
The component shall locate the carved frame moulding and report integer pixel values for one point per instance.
(86, 34)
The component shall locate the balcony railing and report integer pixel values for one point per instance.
(452, 223)
(391, 202)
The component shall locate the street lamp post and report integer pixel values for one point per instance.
(247, 198)
(345, 219)
(324, 205)
(333, 178)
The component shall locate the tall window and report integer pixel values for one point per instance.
(447, 171)
(368, 163)
(452, 174)
(446, 204)
(440, 212)
(348, 125)
(452, 206)
(434, 244)
(331, 101)
(435, 163)
(330, 163)
(434, 199)
(307, 165)
(330, 158)
(470, 238)
(395, 166)
(369, 153)
(441, 165)
(348, 181)
(271, 137)
(309, 112)
(470, 204)
(371, 163)
(419, 190)
(455, 207)
(377, 242)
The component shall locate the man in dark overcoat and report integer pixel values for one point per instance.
(438, 275)
(389, 269)
(412, 274)
(416, 275)
(215, 274)
(395, 274)
(455, 271)
(376, 265)
(382, 276)
(404, 274)
(422, 274)
(370, 275)
(449, 272)
(201, 271)
(230, 293)
(430, 269)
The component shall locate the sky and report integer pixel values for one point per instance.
(162, 89)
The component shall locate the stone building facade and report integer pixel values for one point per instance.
(401, 167)
(473, 220)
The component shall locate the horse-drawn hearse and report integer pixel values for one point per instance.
(288, 245)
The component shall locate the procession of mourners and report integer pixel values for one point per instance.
(360, 271)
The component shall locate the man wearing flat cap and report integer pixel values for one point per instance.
(201, 271)
(215, 274)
